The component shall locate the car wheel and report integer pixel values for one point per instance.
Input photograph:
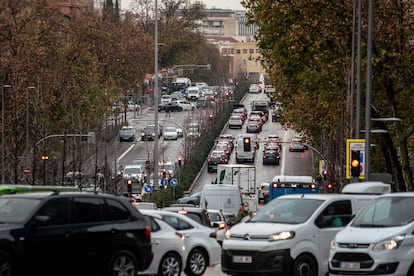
(305, 265)
(196, 263)
(170, 265)
(5, 263)
(122, 262)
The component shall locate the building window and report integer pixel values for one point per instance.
(251, 51)
(258, 51)
(244, 51)
(238, 51)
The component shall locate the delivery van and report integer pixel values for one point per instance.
(290, 235)
(226, 198)
(379, 241)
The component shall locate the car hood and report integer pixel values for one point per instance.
(7, 226)
(368, 235)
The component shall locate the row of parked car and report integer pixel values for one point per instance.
(220, 153)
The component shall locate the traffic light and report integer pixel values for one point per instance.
(355, 163)
(164, 173)
(247, 144)
(180, 161)
(129, 185)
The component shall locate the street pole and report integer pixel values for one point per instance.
(155, 91)
(368, 95)
(3, 138)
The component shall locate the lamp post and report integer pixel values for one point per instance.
(155, 91)
(3, 138)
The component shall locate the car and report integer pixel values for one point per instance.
(192, 133)
(253, 127)
(169, 107)
(169, 167)
(218, 221)
(72, 233)
(296, 145)
(145, 205)
(274, 138)
(193, 199)
(170, 133)
(166, 99)
(132, 106)
(264, 192)
(127, 134)
(186, 105)
(200, 241)
(271, 156)
(197, 214)
(276, 116)
(134, 172)
(255, 88)
(242, 112)
(168, 247)
(235, 121)
(216, 157)
(226, 137)
(225, 146)
(148, 133)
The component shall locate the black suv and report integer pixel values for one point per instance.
(72, 233)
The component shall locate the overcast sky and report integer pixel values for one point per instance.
(221, 4)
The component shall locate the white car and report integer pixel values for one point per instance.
(186, 105)
(170, 133)
(218, 221)
(166, 99)
(201, 246)
(168, 247)
(133, 106)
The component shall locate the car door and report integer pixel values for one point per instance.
(331, 220)
(90, 232)
(47, 241)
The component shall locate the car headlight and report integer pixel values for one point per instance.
(227, 235)
(285, 235)
(332, 245)
(388, 245)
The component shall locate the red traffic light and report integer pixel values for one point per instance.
(180, 161)
(330, 186)
(129, 181)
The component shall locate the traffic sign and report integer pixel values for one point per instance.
(173, 182)
(164, 182)
(148, 188)
(26, 170)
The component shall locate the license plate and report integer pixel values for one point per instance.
(242, 259)
(350, 265)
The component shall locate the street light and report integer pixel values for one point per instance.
(3, 140)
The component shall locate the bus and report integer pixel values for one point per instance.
(290, 184)
(6, 189)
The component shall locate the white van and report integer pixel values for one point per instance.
(246, 154)
(193, 93)
(379, 241)
(226, 198)
(290, 235)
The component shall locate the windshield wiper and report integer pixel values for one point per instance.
(370, 225)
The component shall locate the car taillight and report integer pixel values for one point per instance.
(183, 212)
(147, 232)
(213, 235)
(222, 226)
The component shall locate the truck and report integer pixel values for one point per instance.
(243, 176)
(261, 106)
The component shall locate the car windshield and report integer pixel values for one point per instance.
(170, 129)
(214, 216)
(386, 212)
(288, 210)
(13, 210)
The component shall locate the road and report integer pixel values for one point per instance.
(292, 163)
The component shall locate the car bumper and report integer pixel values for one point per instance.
(276, 262)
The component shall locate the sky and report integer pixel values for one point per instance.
(220, 4)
